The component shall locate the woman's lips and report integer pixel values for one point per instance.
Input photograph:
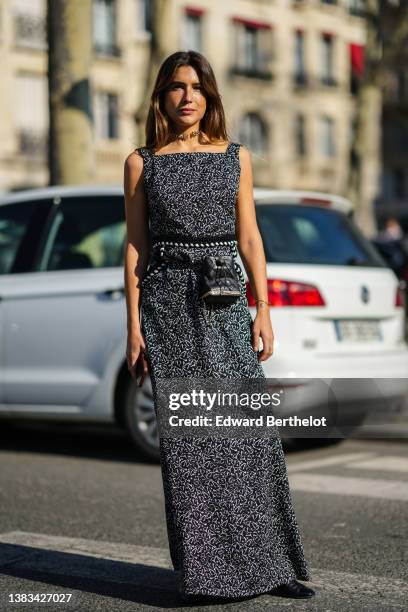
(186, 111)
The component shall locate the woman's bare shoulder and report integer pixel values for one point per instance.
(244, 152)
(134, 161)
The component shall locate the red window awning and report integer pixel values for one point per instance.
(261, 25)
(357, 58)
(192, 10)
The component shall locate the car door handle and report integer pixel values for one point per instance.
(116, 293)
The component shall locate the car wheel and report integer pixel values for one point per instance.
(140, 419)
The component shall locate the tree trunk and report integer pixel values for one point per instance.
(71, 150)
(160, 12)
(365, 175)
(366, 149)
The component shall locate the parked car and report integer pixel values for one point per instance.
(337, 307)
(338, 313)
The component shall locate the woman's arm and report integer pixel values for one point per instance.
(251, 250)
(136, 252)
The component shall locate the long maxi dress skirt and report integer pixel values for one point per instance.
(231, 525)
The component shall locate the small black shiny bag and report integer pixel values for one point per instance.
(220, 282)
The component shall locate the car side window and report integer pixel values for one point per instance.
(21, 228)
(87, 232)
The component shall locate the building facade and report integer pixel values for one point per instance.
(287, 71)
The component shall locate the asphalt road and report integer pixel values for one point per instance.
(80, 515)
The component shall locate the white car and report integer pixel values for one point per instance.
(337, 309)
(338, 315)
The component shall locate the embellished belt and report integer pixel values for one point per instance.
(179, 260)
(196, 241)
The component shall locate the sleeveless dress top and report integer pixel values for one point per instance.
(231, 525)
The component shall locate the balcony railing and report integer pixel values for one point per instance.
(32, 143)
(300, 79)
(30, 31)
(252, 72)
(106, 49)
(328, 81)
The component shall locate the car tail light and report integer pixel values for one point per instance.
(288, 293)
(400, 296)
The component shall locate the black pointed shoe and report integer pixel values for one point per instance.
(293, 589)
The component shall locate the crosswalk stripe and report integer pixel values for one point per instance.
(92, 548)
(343, 485)
(391, 464)
(303, 466)
(82, 558)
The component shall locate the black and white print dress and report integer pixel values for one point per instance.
(231, 526)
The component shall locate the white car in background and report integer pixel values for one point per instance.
(338, 310)
(337, 314)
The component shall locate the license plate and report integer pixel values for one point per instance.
(355, 330)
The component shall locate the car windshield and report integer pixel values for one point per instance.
(313, 235)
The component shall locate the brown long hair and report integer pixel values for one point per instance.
(213, 122)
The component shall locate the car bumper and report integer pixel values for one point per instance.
(385, 364)
(344, 403)
(351, 388)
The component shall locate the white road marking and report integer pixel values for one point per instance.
(302, 466)
(83, 558)
(116, 551)
(391, 464)
(343, 485)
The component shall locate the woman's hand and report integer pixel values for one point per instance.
(262, 327)
(136, 346)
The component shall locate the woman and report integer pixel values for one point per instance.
(230, 522)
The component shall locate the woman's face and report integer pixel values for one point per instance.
(184, 92)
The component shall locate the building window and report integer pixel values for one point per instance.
(326, 59)
(299, 58)
(252, 48)
(106, 116)
(253, 133)
(31, 114)
(192, 30)
(356, 66)
(30, 23)
(328, 1)
(104, 27)
(326, 136)
(357, 7)
(144, 15)
(300, 137)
